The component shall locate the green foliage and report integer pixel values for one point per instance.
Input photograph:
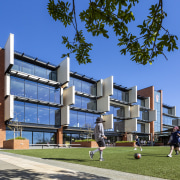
(20, 138)
(84, 140)
(102, 14)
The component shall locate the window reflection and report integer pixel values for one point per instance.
(34, 70)
(34, 90)
(82, 119)
(83, 86)
(30, 113)
(37, 114)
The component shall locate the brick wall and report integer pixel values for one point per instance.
(149, 92)
(60, 135)
(2, 125)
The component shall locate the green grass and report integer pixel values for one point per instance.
(154, 160)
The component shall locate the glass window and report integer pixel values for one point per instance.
(55, 116)
(81, 119)
(90, 121)
(27, 135)
(43, 92)
(88, 103)
(37, 137)
(17, 65)
(41, 72)
(55, 95)
(77, 84)
(73, 119)
(30, 113)
(30, 89)
(28, 68)
(43, 114)
(18, 111)
(17, 87)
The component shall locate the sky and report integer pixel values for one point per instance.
(38, 35)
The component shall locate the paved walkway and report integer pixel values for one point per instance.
(19, 167)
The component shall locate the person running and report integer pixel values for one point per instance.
(137, 144)
(174, 141)
(99, 137)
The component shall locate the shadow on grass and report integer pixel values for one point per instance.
(65, 159)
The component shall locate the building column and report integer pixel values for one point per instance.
(60, 136)
(2, 124)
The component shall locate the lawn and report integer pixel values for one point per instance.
(153, 162)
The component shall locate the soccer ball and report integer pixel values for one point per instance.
(137, 156)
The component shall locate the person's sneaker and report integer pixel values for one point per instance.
(135, 149)
(141, 149)
(169, 155)
(177, 153)
(101, 159)
(91, 154)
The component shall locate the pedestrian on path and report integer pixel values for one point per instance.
(99, 137)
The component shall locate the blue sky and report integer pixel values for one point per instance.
(38, 35)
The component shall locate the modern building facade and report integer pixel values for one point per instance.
(49, 103)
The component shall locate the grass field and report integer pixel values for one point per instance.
(153, 162)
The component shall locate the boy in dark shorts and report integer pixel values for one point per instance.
(174, 141)
(137, 144)
(99, 137)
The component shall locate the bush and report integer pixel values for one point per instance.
(84, 140)
(21, 138)
(124, 141)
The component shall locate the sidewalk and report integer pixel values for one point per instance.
(19, 167)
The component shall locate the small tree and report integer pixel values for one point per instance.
(16, 127)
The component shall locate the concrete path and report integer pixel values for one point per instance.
(19, 167)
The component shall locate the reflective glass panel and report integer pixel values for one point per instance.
(43, 92)
(41, 72)
(18, 111)
(30, 113)
(28, 68)
(31, 89)
(43, 115)
(81, 119)
(17, 86)
(73, 119)
(37, 137)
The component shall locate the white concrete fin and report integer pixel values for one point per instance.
(127, 111)
(100, 88)
(135, 111)
(108, 124)
(103, 104)
(131, 125)
(147, 128)
(69, 96)
(65, 115)
(147, 103)
(174, 111)
(108, 86)
(152, 115)
(7, 84)
(9, 53)
(63, 72)
(9, 108)
(133, 94)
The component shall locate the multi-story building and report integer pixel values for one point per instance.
(52, 104)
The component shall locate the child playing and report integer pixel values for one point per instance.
(137, 143)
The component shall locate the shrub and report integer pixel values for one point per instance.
(84, 140)
(21, 138)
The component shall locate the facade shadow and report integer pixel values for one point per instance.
(29, 174)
